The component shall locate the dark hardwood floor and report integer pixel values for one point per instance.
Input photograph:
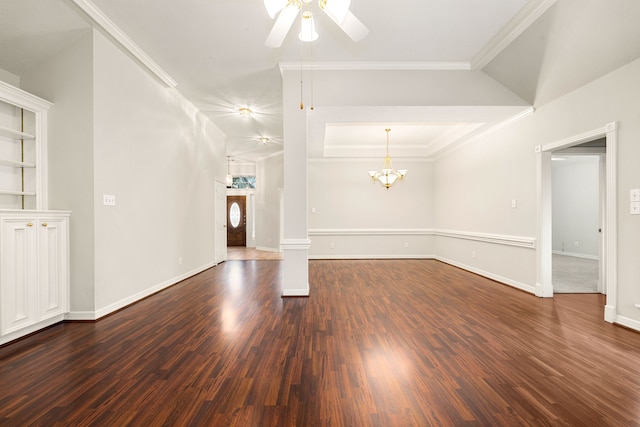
(377, 343)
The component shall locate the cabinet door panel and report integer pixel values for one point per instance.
(52, 269)
(19, 275)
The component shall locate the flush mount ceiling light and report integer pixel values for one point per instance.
(387, 175)
(263, 140)
(245, 112)
(287, 11)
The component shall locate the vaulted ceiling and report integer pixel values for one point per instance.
(435, 71)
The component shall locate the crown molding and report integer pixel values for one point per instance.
(22, 98)
(375, 66)
(527, 16)
(367, 159)
(102, 21)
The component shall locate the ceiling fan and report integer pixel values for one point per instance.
(337, 10)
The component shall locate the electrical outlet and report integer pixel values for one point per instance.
(332, 246)
(180, 260)
(109, 200)
(473, 254)
(406, 245)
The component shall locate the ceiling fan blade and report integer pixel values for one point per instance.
(336, 9)
(274, 6)
(352, 26)
(282, 26)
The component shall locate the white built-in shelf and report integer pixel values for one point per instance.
(23, 149)
(14, 134)
(16, 164)
(17, 193)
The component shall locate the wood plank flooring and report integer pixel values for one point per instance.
(377, 343)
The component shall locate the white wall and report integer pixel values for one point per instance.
(575, 202)
(476, 183)
(115, 129)
(160, 157)
(355, 218)
(67, 81)
(269, 183)
(239, 168)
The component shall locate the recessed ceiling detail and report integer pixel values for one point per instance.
(410, 139)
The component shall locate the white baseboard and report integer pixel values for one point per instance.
(522, 286)
(95, 315)
(80, 315)
(31, 329)
(627, 322)
(386, 256)
(576, 255)
(295, 292)
(264, 248)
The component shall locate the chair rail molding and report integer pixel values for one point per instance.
(499, 239)
(371, 232)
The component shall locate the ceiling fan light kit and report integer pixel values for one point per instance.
(308, 28)
(287, 11)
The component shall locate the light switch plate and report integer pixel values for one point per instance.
(634, 195)
(634, 208)
(109, 200)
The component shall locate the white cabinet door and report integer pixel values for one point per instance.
(19, 281)
(52, 267)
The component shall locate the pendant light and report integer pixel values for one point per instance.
(387, 176)
(229, 176)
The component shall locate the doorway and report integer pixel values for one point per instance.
(236, 221)
(577, 199)
(608, 272)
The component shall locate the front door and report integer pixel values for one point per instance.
(236, 221)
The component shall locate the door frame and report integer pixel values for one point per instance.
(544, 285)
(220, 237)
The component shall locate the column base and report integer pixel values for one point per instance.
(296, 267)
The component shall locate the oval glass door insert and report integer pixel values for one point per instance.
(234, 214)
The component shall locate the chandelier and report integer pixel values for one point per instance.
(387, 176)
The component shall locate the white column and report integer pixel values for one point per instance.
(296, 243)
(544, 284)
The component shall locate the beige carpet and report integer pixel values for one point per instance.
(574, 275)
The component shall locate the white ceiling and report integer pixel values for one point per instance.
(525, 51)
